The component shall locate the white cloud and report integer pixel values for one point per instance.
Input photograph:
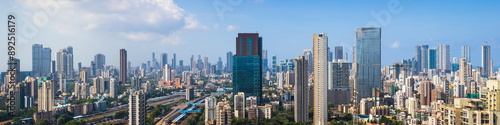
(91, 26)
(395, 44)
(192, 23)
(232, 27)
(216, 26)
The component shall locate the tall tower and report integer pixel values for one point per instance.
(486, 60)
(229, 62)
(301, 90)
(174, 66)
(45, 94)
(431, 59)
(247, 65)
(320, 78)
(41, 60)
(418, 59)
(466, 53)
(123, 65)
(424, 64)
(210, 105)
(137, 108)
(443, 57)
(366, 64)
(100, 61)
(64, 62)
(339, 52)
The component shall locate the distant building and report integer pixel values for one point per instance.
(64, 62)
(123, 66)
(41, 60)
(189, 93)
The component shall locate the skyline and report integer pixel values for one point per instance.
(288, 39)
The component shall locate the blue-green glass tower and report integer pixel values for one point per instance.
(432, 59)
(247, 66)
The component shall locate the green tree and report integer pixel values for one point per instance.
(120, 114)
(63, 119)
(43, 122)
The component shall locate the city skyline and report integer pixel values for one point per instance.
(203, 22)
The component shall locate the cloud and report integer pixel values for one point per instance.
(216, 26)
(395, 44)
(91, 26)
(232, 27)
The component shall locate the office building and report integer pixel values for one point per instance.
(174, 63)
(229, 62)
(443, 57)
(431, 59)
(239, 105)
(46, 89)
(164, 59)
(486, 62)
(41, 58)
(100, 61)
(137, 108)
(123, 66)
(64, 62)
(366, 64)
(301, 111)
(339, 53)
(320, 78)
(308, 56)
(425, 57)
(418, 59)
(466, 53)
(264, 61)
(210, 105)
(338, 82)
(247, 65)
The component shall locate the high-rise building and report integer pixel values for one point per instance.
(290, 79)
(174, 64)
(210, 105)
(486, 60)
(301, 89)
(330, 55)
(137, 108)
(62, 83)
(206, 65)
(338, 81)
(239, 105)
(418, 59)
(41, 60)
(83, 76)
(223, 114)
(45, 94)
(167, 74)
(338, 52)
(14, 64)
(53, 67)
(274, 64)
(320, 78)
(164, 59)
(81, 90)
(189, 93)
(366, 64)
(97, 85)
(219, 64)
(100, 61)
(264, 60)
(112, 87)
(466, 53)
(443, 57)
(463, 70)
(424, 62)
(308, 56)
(123, 66)
(247, 65)
(431, 59)
(425, 93)
(16, 93)
(64, 62)
(229, 62)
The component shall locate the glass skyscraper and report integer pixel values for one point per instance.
(366, 62)
(247, 66)
(432, 59)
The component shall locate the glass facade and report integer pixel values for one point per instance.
(367, 61)
(247, 66)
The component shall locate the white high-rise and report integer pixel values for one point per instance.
(46, 90)
(167, 73)
(466, 53)
(64, 62)
(137, 108)
(443, 57)
(112, 86)
(239, 105)
(210, 106)
(320, 78)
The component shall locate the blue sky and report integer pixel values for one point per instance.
(196, 27)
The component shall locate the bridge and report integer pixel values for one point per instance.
(189, 110)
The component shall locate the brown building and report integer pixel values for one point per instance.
(123, 65)
(426, 96)
(178, 83)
